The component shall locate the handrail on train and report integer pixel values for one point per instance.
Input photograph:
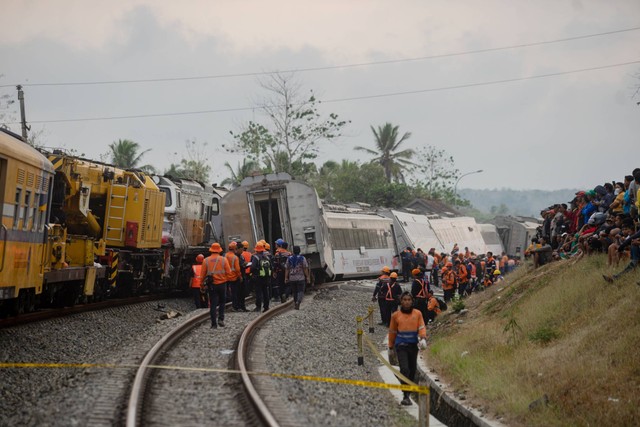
(4, 247)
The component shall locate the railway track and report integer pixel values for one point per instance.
(202, 394)
(51, 313)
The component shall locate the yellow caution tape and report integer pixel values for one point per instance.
(360, 383)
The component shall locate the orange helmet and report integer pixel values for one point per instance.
(215, 248)
(245, 244)
(386, 269)
(199, 258)
(394, 275)
(233, 245)
(416, 272)
(267, 246)
(259, 247)
(449, 264)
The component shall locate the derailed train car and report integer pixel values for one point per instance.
(191, 223)
(336, 244)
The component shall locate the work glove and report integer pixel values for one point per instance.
(422, 344)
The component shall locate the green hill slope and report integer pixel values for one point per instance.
(561, 332)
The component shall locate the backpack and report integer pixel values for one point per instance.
(442, 304)
(264, 267)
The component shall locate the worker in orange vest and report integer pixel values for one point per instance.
(391, 291)
(448, 281)
(247, 271)
(433, 308)
(215, 274)
(199, 296)
(377, 291)
(233, 282)
(419, 291)
(463, 278)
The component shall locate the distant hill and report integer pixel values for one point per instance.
(515, 202)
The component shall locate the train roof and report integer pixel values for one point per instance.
(12, 145)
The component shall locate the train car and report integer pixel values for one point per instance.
(191, 223)
(116, 215)
(336, 244)
(26, 178)
(360, 243)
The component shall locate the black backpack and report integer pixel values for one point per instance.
(442, 304)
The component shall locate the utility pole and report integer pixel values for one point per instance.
(23, 118)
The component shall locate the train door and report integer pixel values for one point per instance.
(3, 228)
(269, 214)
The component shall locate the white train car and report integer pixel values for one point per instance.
(361, 244)
(491, 238)
(336, 244)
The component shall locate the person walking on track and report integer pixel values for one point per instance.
(407, 332)
(261, 277)
(296, 275)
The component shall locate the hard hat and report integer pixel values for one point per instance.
(245, 244)
(496, 273)
(267, 246)
(233, 245)
(386, 269)
(279, 242)
(394, 275)
(215, 248)
(199, 258)
(449, 264)
(416, 271)
(259, 247)
(263, 242)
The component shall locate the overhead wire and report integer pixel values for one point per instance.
(328, 67)
(355, 98)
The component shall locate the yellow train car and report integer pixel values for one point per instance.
(26, 182)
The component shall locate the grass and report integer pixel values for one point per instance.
(560, 331)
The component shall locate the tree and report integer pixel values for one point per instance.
(194, 166)
(436, 173)
(387, 144)
(242, 171)
(293, 128)
(124, 154)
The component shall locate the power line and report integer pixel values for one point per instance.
(329, 67)
(355, 98)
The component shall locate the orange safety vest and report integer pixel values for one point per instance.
(234, 264)
(247, 259)
(462, 273)
(448, 280)
(219, 270)
(422, 293)
(389, 294)
(433, 305)
(196, 280)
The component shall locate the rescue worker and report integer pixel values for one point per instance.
(242, 282)
(490, 265)
(377, 292)
(407, 333)
(297, 275)
(433, 308)
(279, 266)
(199, 297)
(233, 282)
(407, 263)
(419, 291)
(463, 278)
(246, 255)
(391, 291)
(261, 277)
(448, 281)
(215, 273)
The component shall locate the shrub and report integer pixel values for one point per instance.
(544, 335)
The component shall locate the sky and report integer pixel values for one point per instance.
(496, 84)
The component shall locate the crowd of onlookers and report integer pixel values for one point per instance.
(601, 220)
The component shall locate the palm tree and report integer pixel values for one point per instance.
(243, 170)
(124, 154)
(387, 143)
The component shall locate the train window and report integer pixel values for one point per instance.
(27, 202)
(36, 199)
(167, 196)
(16, 208)
(215, 206)
(310, 238)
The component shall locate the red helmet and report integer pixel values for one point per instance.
(200, 258)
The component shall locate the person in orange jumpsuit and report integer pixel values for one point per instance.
(233, 282)
(448, 282)
(199, 297)
(406, 333)
(215, 273)
(433, 308)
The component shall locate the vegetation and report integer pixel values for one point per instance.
(194, 166)
(293, 128)
(394, 163)
(558, 331)
(125, 154)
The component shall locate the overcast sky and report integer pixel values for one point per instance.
(572, 130)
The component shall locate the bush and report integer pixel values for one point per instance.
(544, 335)
(458, 304)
